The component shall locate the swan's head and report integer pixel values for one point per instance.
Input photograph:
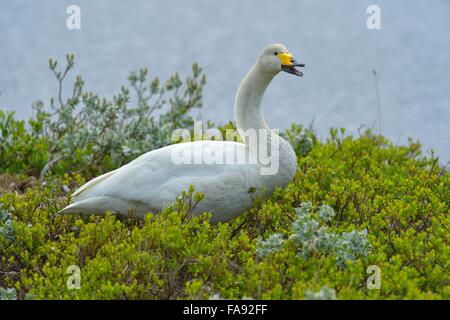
(276, 58)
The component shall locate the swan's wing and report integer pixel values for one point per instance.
(157, 176)
(92, 183)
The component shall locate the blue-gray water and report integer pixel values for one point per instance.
(411, 54)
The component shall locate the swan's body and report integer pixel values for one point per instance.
(153, 180)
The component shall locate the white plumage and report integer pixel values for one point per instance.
(154, 179)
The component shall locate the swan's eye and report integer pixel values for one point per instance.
(275, 53)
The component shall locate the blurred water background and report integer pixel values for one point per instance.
(411, 54)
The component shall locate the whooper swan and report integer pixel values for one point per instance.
(156, 178)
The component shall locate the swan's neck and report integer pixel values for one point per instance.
(249, 117)
(247, 108)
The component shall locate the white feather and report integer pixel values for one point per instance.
(154, 179)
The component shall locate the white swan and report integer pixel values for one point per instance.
(153, 180)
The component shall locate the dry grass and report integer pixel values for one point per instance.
(16, 183)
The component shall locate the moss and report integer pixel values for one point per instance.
(352, 184)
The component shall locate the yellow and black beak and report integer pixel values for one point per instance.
(288, 64)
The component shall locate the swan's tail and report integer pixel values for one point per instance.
(96, 205)
(100, 205)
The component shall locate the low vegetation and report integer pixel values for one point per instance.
(362, 219)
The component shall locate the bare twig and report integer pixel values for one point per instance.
(378, 99)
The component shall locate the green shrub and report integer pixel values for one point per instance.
(355, 204)
(402, 201)
(8, 294)
(90, 134)
(22, 149)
